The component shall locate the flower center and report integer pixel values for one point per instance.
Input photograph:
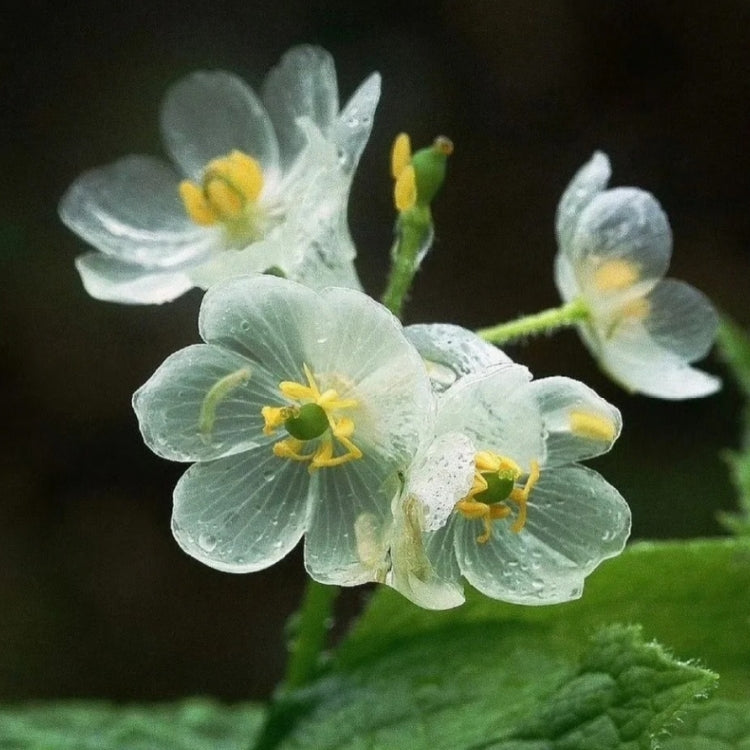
(495, 487)
(615, 275)
(228, 194)
(313, 423)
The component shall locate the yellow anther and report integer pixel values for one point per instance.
(196, 205)
(274, 417)
(615, 275)
(636, 309)
(443, 145)
(230, 185)
(592, 426)
(405, 189)
(489, 464)
(400, 154)
(339, 429)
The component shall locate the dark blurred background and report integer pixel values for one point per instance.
(96, 599)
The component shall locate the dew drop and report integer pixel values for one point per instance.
(207, 542)
(245, 325)
(537, 584)
(269, 476)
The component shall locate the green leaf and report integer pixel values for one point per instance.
(493, 686)
(194, 724)
(494, 675)
(714, 725)
(733, 344)
(693, 596)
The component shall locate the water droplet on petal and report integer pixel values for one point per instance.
(207, 542)
(269, 476)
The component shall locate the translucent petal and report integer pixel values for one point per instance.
(440, 550)
(578, 423)
(590, 179)
(316, 224)
(255, 258)
(303, 84)
(352, 129)
(681, 319)
(242, 513)
(364, 355)
(498, 412)
(112, 280)
(450, 352)
(131, 210)
(575, 520)
(636, 361)
(441, 476)
(209, 114)
(623, 224)
(565, 278)
(411, 572)
(268, 320)
(172, 408)
(350, 522)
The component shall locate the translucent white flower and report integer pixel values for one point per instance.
(258, 183)
(614, 248)
(498, 497)
(302, 410)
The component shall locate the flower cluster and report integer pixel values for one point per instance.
(419, 457)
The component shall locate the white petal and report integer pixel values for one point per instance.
(131, 210)
(575, 520)
(270, 321)
(623, 224)
(209, 114)
(681, 319)
(352, 129)
(112, 280)
(255, 258)
(364, 355)
(498, 412)
(243, 513)
(411, 570)
(179, 424)
(350, 522)
(441, 476)
(578, 423)
(590, 179)
(633, 359)
(303, 84)
(450, 352)
(565, 278)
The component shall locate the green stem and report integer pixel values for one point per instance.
(308, 639)
(531, 325)
(413, 237)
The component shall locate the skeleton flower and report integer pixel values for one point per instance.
(498, 497)
(301, 411)
(614, 248)
(257, 184)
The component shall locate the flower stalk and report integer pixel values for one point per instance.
(546, 321)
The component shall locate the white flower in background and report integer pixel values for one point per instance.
(257, 184)
(614, 249)
(499, 497)
(302, 411)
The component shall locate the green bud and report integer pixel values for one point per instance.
(429, 169)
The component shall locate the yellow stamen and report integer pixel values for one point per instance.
(230, 185)
(339, 431)
(592, 426)
(615, 275)
(405, 189)
(487, 463)
(636, 309)
(400, 154)
(196, 205)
